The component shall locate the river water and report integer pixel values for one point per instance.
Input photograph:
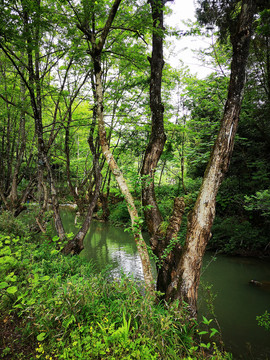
(237, 303)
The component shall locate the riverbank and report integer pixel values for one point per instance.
(57, 307)
(230, 235)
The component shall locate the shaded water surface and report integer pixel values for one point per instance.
(237, 302)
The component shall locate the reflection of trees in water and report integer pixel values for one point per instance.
(129, 265)
(238, 303)
(96, 247)
(107, 245)
(68, 220)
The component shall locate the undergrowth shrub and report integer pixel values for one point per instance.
(119, 213)
(166, 190)
(12, 225)
(66, 311)
(232, 234)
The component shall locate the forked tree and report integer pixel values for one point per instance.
(179, 272)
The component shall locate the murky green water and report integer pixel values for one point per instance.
(237, 303)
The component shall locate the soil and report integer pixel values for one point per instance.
(13, 343)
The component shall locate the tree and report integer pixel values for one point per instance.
(27, 38)
(180, 271)
(159, 241)
(16, 156)
(97, 39)
(185, 284)
(44, 48)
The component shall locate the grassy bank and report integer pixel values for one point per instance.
(56, 307)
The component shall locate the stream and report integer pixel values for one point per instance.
(236, 305)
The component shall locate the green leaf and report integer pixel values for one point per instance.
(12, 289)
(45, 278)
(205, 321)
(213, 332)
(31, 301)
(41, 336)
(3, 285)
(69, 321)
(203, 332)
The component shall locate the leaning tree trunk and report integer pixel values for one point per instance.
(75, 246)
(97, 45)
(136, 229)
(185, 284)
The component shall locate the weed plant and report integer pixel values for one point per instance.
(56, 307)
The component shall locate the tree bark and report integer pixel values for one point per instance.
(157, 138)
(75, 246)
(184, 287)
(168, 249)
(163, 243)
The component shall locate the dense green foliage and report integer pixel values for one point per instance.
(57, 307)
(62, 82)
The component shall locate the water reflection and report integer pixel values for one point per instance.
(112, 246)
(129, 265)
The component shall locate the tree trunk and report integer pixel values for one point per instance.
(168, 249)
(75, 246)
(163, 243)
(77, 198)
(141, 245)
(34, 87)
(97, 46)
(185, 284)
(157, 138)
(20, 152)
